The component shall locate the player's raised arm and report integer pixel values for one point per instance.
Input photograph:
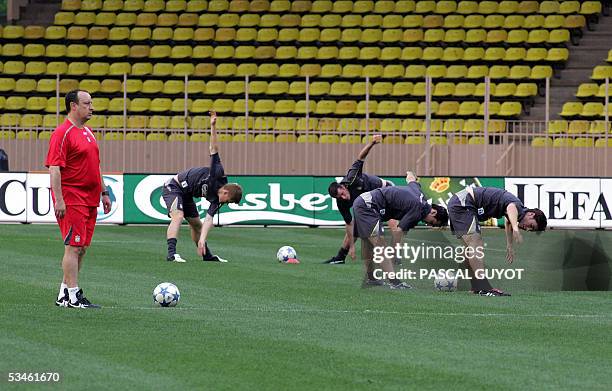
(213, 133)
(411, 177)
(377, 138)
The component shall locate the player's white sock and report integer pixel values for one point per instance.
(60, 295)
(72, 293)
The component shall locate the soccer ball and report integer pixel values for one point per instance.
(446, 281)
(166, 294)
(287, 254)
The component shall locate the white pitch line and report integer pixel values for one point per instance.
(374, 312)
(332, 311)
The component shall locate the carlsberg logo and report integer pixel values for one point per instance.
(276, 200)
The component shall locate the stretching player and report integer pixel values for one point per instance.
(408, 205)
(474, 204)
(179, 192)
(355, 183)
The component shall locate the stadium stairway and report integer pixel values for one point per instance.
(593, 49)
(39, 12)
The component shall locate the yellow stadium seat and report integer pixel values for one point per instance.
(414, 140)
(477, 140)
(77, 33)
(513, 22)
(455, 36)
(575, 22)
(496, 36)
(110, 86)
(329, 139)
(541, 72)
(534, 22)
(510, 109)
(433, 35)
(557, 126)
(176, 6)
(578, 127)
(453, 125)
(494, 21)
(415, 36)
(599, 127)
(99, 33)
(122, 51)
(14, 68)
(592, 110)
(407, 108)
(386, 107)
(503, 90)
(157, 137)
(528, 7)
(139, 105)
(9, 119)
(30, 121)
(599, 143)
(549, 7)
(475, 36)
(468, 109)
(536, 54)
(432, 53)
(145, 20)
(115, 121)
(13, 32)
(118, 104)
(390, 53)
(474, 54)
(25, 85)
(541, 142)
(203, 34)
(448, 109)
(84, 18)
(455, 72)
(284, 106)
(519, 72)
(33, 68)
(201, 52)
(54, 68)
(601, 72)
(563, 142)
(494, 54)
(444, 89)
(403, 88)
(71, 5)
(15, 103)
(99, 104)
(159, 122)
(582, 142)
(264, 138)
(377, 89)
(199, 137)
(118, 33)
(105, 19)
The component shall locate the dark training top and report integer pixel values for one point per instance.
(357, 183)
(492, 202)
(204, 182)
(404, 203)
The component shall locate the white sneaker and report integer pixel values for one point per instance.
(176, 258)
(215, 258)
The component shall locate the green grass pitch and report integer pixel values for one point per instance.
(256, 324)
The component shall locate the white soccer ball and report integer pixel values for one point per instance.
(446, 281)
(285, 253)
(166, 294)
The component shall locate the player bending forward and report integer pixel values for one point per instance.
(474, 204)
(355, 183)
(406, 204)
(179, 192)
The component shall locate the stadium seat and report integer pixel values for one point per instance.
(599, 143)
(557, 126)
(542, 142)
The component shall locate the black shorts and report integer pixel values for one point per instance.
(463, 214)
(175, 199)
(368, 221)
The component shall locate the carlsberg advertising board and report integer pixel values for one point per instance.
(270, 200)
